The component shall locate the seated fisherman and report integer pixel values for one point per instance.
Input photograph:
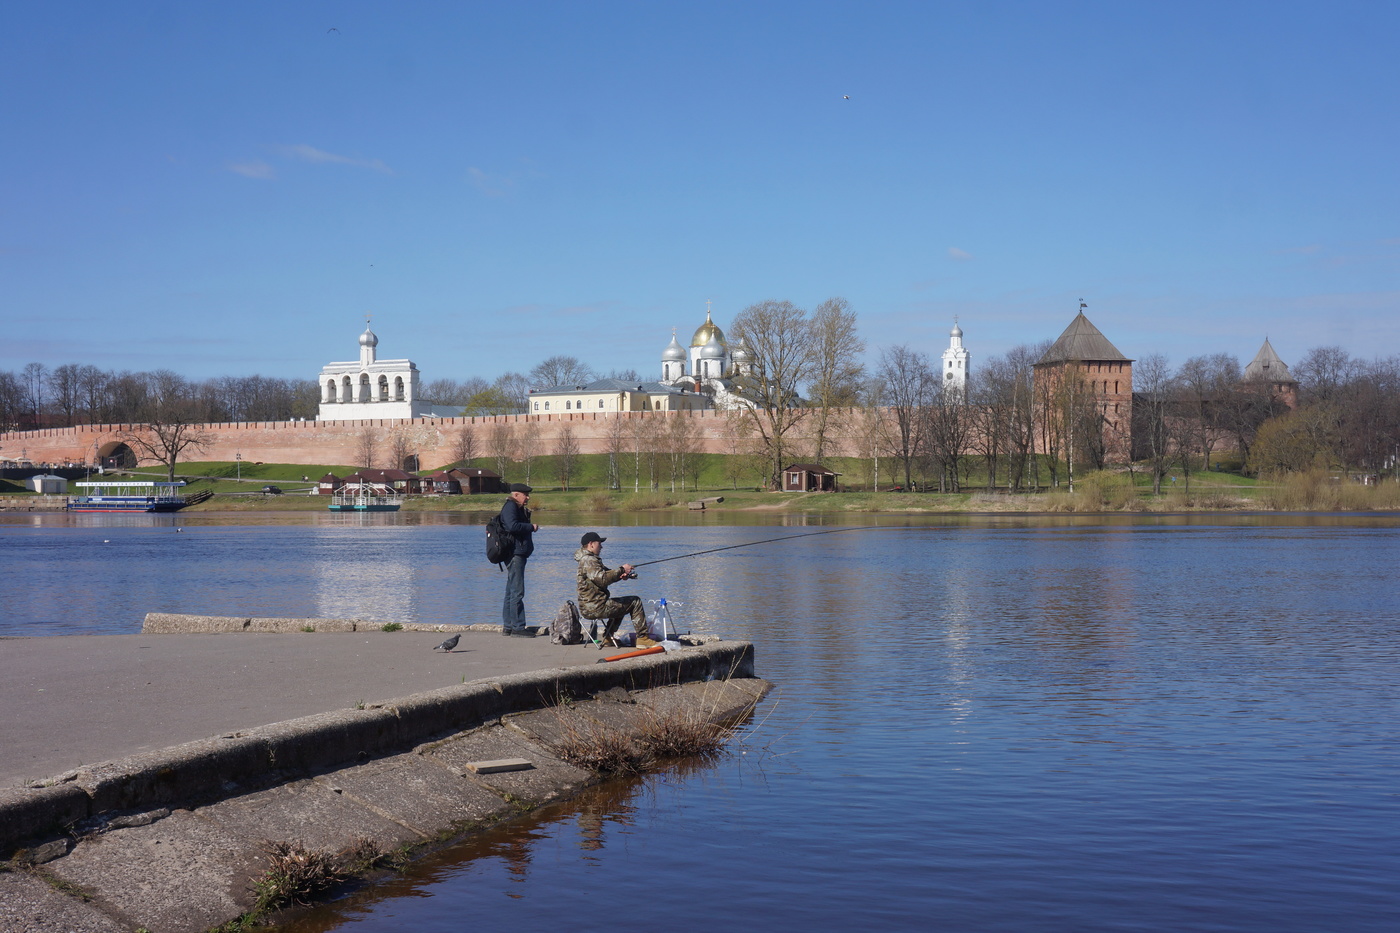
(594, 601)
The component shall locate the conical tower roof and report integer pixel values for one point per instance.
(1267, 367)
(1081, 341)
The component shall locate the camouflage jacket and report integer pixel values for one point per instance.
(593, 582)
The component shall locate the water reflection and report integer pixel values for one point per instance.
(999, 722)
(355, 578)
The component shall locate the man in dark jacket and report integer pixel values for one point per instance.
(516, 517)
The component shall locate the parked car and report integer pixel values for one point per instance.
(272, 491)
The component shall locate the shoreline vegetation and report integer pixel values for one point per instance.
(239, 487)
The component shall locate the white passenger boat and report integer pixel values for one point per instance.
(128, 496)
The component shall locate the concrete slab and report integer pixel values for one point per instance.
(550, 778)
(182, 874)
(29, 904)
(421, 794)
(306, 812)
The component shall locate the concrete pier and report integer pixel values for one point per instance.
(145, 776)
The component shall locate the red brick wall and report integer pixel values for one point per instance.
(339, 442)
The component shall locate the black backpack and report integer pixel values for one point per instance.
(500, 543)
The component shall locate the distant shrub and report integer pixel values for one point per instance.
(1320, 490)
(1100, 491)
(643, 501)
(598, 502)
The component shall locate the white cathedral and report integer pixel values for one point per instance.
(713, 366)
(694, 379)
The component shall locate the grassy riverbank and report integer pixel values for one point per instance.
(238, 487)
(1114, 491)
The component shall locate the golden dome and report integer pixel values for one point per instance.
(707, 330)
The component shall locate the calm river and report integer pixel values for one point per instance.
(980, 723)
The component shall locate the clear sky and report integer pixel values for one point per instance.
(229, 188)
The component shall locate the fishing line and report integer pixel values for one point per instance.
(730, 547)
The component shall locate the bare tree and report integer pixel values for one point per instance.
(64, 392)
(1369, 417)
(514, 389)
(566, 452)
(167, 437)
(1155, 390)
(1322, 373)
(681, 440)
(500, 445)
(617, 444)
(907, 379)
(92, 386)
(560, 371)
(366, 447)
(11, 401)
(946, 434)
(1203, 383)
(464, 446)
(644, 445)
(780, 338)
(872, 433)
(32, 382)
(400, 449)
(992, 396)
(838, 369)
(738, 447)
(527, 449)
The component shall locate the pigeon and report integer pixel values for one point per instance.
(449, 644)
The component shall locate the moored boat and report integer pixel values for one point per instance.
(365, 497)
(128, 496)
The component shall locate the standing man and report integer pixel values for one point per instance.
(594, 600)
(517, 521)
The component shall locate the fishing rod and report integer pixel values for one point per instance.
(730, 547)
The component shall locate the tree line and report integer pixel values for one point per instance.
(813, 398)
(72, 394)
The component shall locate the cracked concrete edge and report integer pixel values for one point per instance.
(217, 767)
(173, 623)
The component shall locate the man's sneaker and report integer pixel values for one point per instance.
(607, 643)
(521, 633)
(645, 642)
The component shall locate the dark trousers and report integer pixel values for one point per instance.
(513, 609)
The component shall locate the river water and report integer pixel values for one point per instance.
(980, 723)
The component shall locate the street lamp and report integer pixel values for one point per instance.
(238, 459)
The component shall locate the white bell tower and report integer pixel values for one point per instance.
(956, 361)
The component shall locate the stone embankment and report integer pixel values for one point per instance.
(33, 503)
(179, 840)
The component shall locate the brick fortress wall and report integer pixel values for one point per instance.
(434, 440)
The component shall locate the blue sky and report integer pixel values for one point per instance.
(228, 189)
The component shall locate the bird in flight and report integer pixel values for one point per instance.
(333, 30)
(449, 644)
(845, 97)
